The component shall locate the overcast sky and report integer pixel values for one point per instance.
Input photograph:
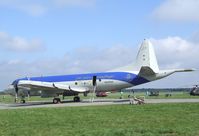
(52, 37)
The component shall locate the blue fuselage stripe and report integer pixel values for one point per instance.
(121, 76)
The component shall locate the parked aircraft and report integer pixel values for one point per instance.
(195, 91)
(145, 69)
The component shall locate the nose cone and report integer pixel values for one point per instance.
(15, 82)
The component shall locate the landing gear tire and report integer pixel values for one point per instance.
(76, 99)
(23, 101)
(56, 100)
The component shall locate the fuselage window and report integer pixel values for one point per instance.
(75, 83)
(100, 80)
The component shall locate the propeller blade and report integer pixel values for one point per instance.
(94, 87)
(16, 92)
(94, 80)
(28, 95)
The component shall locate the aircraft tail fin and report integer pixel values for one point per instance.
(146, 58)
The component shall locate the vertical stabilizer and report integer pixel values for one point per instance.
(145, 60)
(146, 57)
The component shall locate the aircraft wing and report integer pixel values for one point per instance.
(50, 86)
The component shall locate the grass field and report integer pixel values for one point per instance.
(117, 120)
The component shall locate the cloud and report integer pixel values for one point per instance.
(97, 59)
(178, 10)
(175, 52)
(195, 37)
(34, 8)
(39, 8)
(20, 44)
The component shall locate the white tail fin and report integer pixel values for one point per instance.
(146, 57)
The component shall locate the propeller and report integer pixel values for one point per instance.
(94, 81)
(28, 94)
(16, 91)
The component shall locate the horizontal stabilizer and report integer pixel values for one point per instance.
(185, 70)
(146, 71)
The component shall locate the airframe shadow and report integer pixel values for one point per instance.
(29, 103)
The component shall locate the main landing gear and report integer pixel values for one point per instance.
(22, 100)
(76, 99)
(56, 100)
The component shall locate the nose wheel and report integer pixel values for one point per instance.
(16, 100)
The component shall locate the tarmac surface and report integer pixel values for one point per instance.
(86, 102)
